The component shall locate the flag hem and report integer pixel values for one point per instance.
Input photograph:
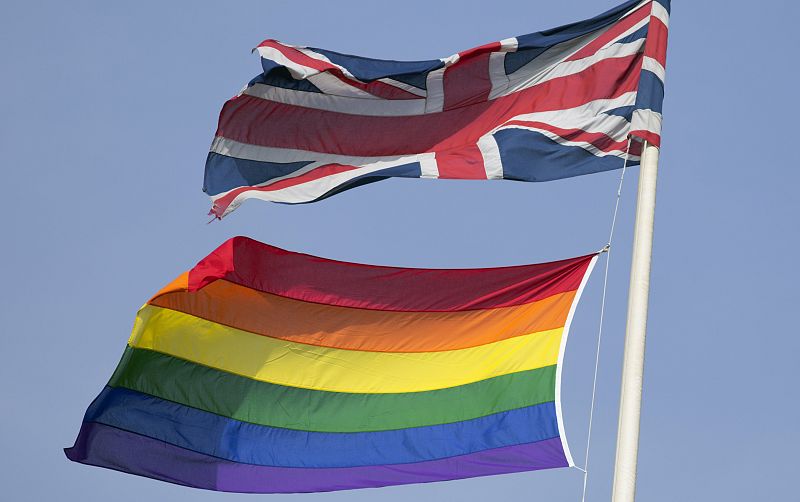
(560, 362)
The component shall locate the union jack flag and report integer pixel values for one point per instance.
(537, 107)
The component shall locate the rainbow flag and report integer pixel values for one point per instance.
(263, 370)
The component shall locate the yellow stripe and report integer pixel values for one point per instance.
(337, 370)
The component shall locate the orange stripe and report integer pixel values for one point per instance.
(332, 326)
(180, 283)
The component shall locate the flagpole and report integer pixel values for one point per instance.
(630, 405)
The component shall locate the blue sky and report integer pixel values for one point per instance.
(108, 109)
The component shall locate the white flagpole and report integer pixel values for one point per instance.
(630, 405)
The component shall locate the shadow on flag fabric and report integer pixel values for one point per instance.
(537, 107)
(267, 371)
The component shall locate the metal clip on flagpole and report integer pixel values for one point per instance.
(630, 405)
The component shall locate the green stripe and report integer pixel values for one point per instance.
(263, 403)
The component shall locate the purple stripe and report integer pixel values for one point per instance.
(124, 451)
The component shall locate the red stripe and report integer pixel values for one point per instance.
(463, 164)
(383, 90)
(309, 278)
(656, 46)
(597, 139)
(297, 56)
(614, 32)
(636, 148)
(376, 88)
(478, 51)
(467, 81)
(650, 137)
(261, 122)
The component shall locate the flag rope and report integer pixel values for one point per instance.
(606, 249)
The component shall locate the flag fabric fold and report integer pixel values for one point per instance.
(263, 370)
(537, 107)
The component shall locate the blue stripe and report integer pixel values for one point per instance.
(532, 45)
(622, 111)
(225, 173)
(413, 170)
(532, 156)
(636, 35)
(230, 439)
(651, 92)
(666, 4)
(418, 80)
(278, 75)
(368, 69)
